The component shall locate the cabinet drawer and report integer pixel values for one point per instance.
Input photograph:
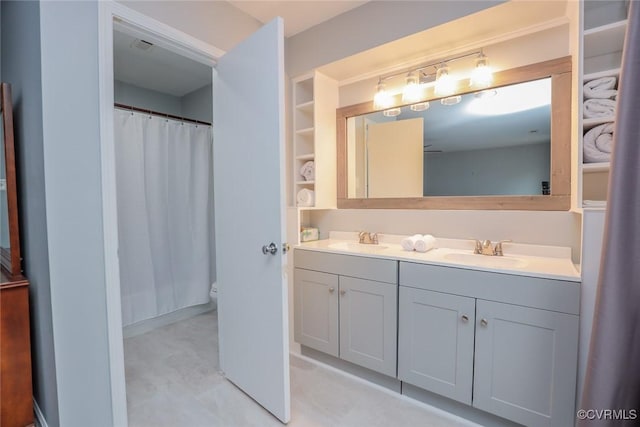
(381, 270)
(547, 294)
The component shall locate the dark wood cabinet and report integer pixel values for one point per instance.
(16, 404)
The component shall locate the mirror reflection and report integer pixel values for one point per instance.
(4, 209)
(492, 142)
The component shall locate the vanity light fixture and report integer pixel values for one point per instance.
(420, 106)
(417, 78)
(445, 85)
(392, 112)
(383, 98)
(412, 91)
(451, 100)
(481, 76)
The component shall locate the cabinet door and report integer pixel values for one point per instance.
(525, 364)
(435, 342)
(368, 324)
(316, 310)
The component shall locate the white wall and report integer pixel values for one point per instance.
(21, 67)
(71, 131)
(125, 93)
(198, 104)
(524, 50)
(494, 171)
(368, 26)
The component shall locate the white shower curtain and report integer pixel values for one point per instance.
(164, 189)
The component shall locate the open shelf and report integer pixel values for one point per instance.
(596, 167)
(307, 107)
(306, 157)
(305, 131)
(599, 74)
(604, 39)
(305, 183)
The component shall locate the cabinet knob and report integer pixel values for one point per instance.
(484, 322)
(464, 318)
(332, 290)
(342, 292)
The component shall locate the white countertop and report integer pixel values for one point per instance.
(550, 262)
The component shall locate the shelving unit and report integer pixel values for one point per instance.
(315, 99)
(603, 36)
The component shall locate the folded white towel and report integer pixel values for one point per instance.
(425, 244)
(597, 144)
(601, 88)
(308, 170)
(599, 108)
(409, 243)
(306, 197)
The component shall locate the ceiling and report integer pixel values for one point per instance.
(298, 15)
(156, 68)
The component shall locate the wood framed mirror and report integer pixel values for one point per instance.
(356, 161)
(10, 260)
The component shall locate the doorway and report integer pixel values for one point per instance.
(252, 292)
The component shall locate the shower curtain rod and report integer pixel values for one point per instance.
(156, 113)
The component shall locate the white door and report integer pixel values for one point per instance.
(248, 130)
(395, 156)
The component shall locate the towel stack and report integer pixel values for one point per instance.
(418, 243)
(308, 171)
(600, 102)
(306, 197)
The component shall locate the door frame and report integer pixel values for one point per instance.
(113, 16)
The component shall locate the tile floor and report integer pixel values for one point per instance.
(173, 380)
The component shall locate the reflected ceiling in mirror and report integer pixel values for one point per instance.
(491, 142)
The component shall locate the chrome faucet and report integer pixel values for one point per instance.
(368, 238)
(485, 248)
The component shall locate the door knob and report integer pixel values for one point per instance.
(285, 248)
(464, 318)
(331, 290)
(272, 248)
(484, 322)
(342, 292)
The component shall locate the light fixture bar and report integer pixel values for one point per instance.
(429, 65)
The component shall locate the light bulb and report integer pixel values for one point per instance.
(445, 85)
(482, 75)
(382, 99)
(412, 91)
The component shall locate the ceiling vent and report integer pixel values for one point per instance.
(142, 44)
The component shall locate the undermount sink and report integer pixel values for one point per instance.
(357, 247)
(486, 261)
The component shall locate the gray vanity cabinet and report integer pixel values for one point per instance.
(435, 342)
(525, 364)
(368, 325)
(316, 310)
(347, 306)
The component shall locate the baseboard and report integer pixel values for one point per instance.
(148, 325)
(40, 420)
